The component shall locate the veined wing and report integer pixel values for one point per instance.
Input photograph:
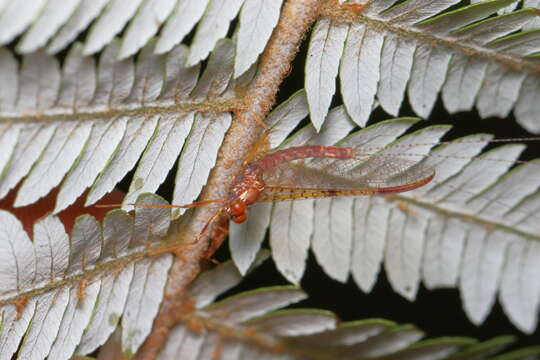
(353, 176)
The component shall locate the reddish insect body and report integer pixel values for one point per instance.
(284, 175)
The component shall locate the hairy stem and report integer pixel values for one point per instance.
(296, 18)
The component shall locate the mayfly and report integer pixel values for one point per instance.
(317, 171)
(314, 171)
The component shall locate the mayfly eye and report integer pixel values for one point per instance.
(237, 208)
(240, 218)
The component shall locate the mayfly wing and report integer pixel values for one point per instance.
(355, 175)
(275, 193)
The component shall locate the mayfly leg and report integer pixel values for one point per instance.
(214, 244)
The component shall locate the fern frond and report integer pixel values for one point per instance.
(251, 324)
(53, 25)
(78, 293)
(80, 127)
(426, 41)
(450, 48)
(93, 128)
(474, 227)
(58, 285)
(467, 54)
